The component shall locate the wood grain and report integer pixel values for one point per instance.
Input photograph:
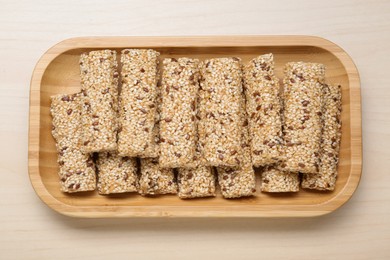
(30, 230)
(58, 72)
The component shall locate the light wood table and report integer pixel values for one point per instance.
(30, 230)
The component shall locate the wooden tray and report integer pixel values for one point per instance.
(58, 72)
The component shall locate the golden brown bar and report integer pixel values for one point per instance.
(99, 85)
(197, 182)
(219, 112)
(275, 180)
(116, 174)
(263, 108)
(138, 103)
(178, 131)
(330, 145)
(77, 170)
(155, 180)
(302, 116)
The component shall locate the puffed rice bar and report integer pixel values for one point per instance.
(302, 116)
(241, 182)
(219, 111)
(178, 131)
(77, 170)
(155, 180)
(330, 145)
(275, 180)
(263, 109)
(99, 84)
(138, 103)
(116, 174)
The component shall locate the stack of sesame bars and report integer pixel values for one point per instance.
(196, 128)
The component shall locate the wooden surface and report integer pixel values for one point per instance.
(58, 72)
(30, 230)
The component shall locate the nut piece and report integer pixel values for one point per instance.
(100, 99)
(76, 169)
(330, 143)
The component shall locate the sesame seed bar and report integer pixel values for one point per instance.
(240, 182)
(116, 174)
(155, 180)
(138, 103)
(197, 182)
(263, 109)
(99, 84)
(302, 116)
(178, 131)
(275, 180)
(219, 111)
(77, 170)
(330, 145)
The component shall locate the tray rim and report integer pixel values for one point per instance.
(195, 211)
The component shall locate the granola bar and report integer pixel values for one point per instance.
(99, 85)
(116, 174)
(263, 109)
(275, 180)
(77, 170)
(178, 131)
(240, 182)
(330, 145)
(138, 103)
(219, 111)
(302, 116)
(155, 180)
(197, 182)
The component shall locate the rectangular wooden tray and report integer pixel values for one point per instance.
(58, 72)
